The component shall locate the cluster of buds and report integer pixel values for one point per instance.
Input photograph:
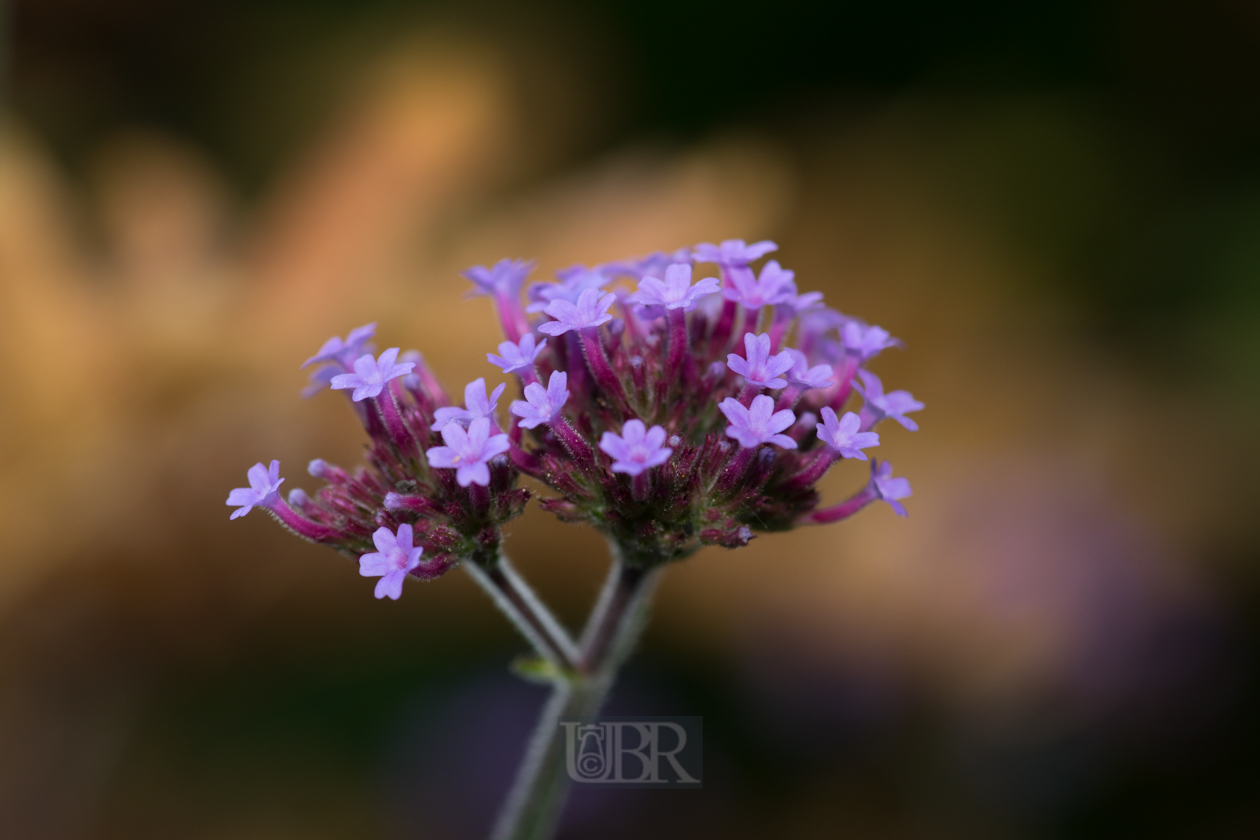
(667, 412)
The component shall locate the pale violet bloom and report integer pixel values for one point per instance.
(574, 280)
(895, 405)
(675, 291)
(889, 489)
(760, 368)
(343, 352)
(370, 375)
(337, 356)
(653, 265)
(759, 423)
(476, 405)
(806, 377)
(263, 489)
(513, 357)
(504, 278)
(774, 285)
(732, 252)
(865, 342)
(591, 310)
(843, 436)
(542, 405)
(394, 557)
(468, 452)
(637, 448)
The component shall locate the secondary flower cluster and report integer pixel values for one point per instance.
(667, 411)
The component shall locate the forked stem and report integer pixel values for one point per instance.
(536, 800)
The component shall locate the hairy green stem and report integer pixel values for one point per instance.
(517, 600)
(533, 807)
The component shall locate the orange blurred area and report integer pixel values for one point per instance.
(1063, 611)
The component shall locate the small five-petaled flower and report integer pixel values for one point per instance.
(394, 557)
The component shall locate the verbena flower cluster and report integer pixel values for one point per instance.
(668, 412)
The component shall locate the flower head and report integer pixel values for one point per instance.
(843, 436)
(517, 356)
(801, 374)
(263, 489)
(865, 342)
(675, 291)
(637, 448)
(895, 405)
(732, 252)
(370, 375)
(477, 405)
(542, 406)
(574, 280)
(889, 489)
(774, 285)
(468, 452)
(504, 278)
(759, 423)
(393, 558)
(591, 310)
(760, 368)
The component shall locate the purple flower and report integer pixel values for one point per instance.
(760, 368)
(653, 265)
(477, 405)
(520, 356)
(675, 291)
(732, 252)
(818, 376)
(336, 357)
(467, 452)
(393, 558)
(543, 405)
(894, 405)
(574, 280)
(865, 342)
(843, 436)
(758, 424)
(370, 375)
(775, 285)
(416, 358)
(591, 310)
(343, 352)
(889, 489)
(263, 489)
(637, 448)
(505, 278)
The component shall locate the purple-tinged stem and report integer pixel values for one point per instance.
(512, 316)
(573, 442)
(842, 510)
(779, 327)
(431, 384)
(815, 468)
(790, 395)
(640, 486)
(600, 367)
(387, 404)
(420, 505)
(300, 525)
(746, 396)
(725, 324)
(480, 497)
(845, 380)
(677, 343)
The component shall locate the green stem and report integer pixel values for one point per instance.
(517, 600)
(534, 804)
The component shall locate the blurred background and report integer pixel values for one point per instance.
(1055, 204)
